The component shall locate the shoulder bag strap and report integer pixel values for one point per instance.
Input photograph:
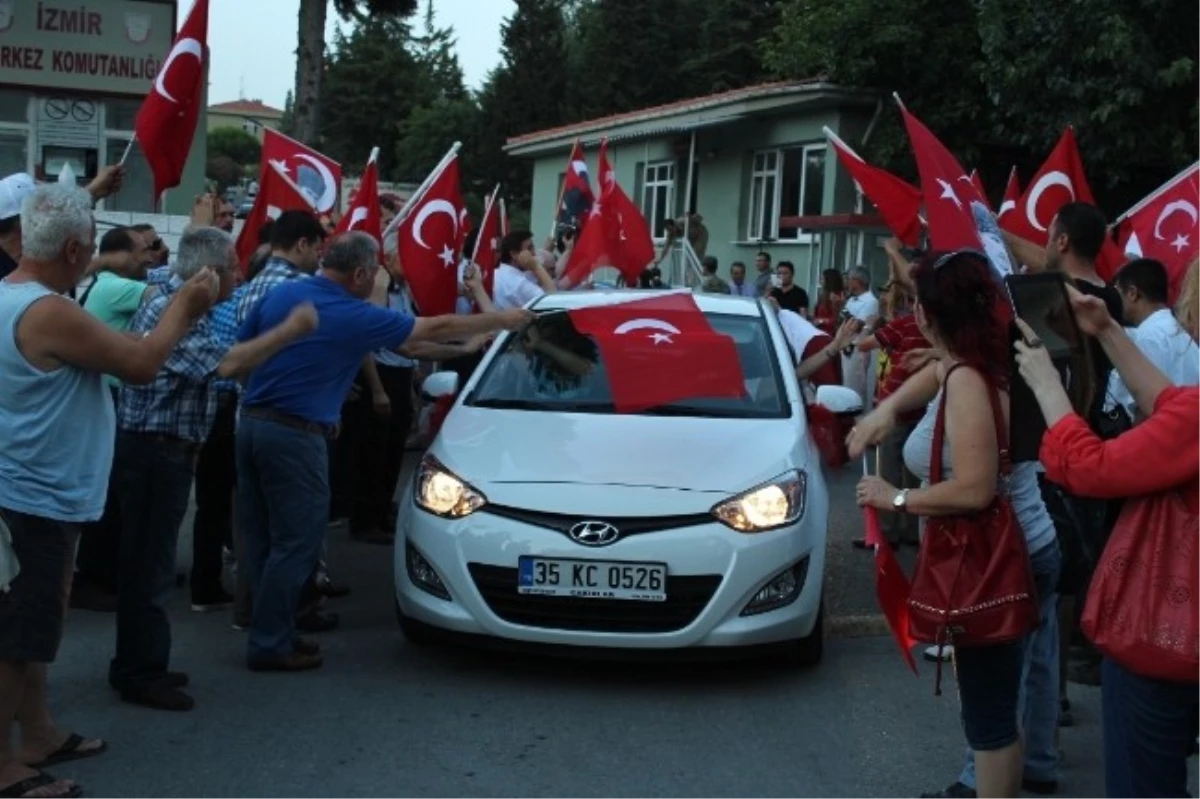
(939, 429)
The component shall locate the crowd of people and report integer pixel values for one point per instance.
(282, 394)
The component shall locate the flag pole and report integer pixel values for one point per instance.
(486, 210)
(899, 102)
(128, 148)
(562, 190)
(424, 187)
(1154, 195)
(503, 217)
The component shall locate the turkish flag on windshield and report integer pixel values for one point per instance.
(166, 122)
(661, 350)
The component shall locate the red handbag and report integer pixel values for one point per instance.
(973, 584)
(1141, 608)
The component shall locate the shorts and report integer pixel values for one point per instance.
(989, 686)
(32, 611)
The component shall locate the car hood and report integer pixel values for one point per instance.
(486, 446)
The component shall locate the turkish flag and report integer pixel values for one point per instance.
(317, 175)
(1012, 194)
(365, 213)
(1060, 180)
(276, 194)
(947, 188)
(898, 202)
(430, 240)
(892, 587)
(487, 243)
(1164, 225)
(619, 237)
(661, 350)
(166, 122)
(577, 197)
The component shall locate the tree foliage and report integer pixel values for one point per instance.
(224, 171)
(236, 144)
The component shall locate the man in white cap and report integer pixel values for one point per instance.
(13, 191)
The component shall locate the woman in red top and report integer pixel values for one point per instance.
(830, 299)
(1149, 723)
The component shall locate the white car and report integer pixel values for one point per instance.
(539, 515)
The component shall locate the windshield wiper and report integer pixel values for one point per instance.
(691, 410)
(544, 405)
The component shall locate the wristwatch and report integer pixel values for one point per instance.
(900, 502)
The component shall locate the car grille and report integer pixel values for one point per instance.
(687, 596)
(627, 525)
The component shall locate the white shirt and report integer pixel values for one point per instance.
(862, 307)
(798, 331)
(513, 288)
(1166, 345)
(463, 305)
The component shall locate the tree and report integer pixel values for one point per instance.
(223, 170)
(1125, 57)
(236, 144)
(429, 131)
(310, 50)
(287, 125)
(728, 53)
(372, 83)
(434, 50)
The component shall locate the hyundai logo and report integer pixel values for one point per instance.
(594, 534)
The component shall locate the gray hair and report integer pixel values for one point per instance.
(350, 251)
(52, 216)
(200, 247)
(860, 273)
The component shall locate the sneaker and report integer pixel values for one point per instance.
(207, 603)
(945, 654)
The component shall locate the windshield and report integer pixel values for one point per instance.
(566, 373)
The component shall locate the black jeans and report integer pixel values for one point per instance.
(375, 446)
(98, 561)
(216, 482)
(155, 477)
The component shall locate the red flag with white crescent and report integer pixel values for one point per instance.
(1166, 225)
(365, 213)
(1012, 194)
(317, 175)
(1061, 180)
(898, 202)
(276, 194)
(487, 242)
(947, 188)
(166, 122)
(430, 239)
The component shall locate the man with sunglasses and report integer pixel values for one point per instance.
(160, 253)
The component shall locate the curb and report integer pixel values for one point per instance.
(857, 626)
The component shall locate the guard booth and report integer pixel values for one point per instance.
(842, 242)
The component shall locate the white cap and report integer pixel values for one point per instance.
(13, 191)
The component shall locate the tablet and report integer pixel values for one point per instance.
(1041, 301)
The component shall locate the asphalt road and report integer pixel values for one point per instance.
(384, 717)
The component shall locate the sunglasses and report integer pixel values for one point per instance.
(156, 245)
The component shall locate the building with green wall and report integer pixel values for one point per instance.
(72, 78)
(759, 157)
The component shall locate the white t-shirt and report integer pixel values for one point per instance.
(513, 288)
(862, 307)
(1165, 344)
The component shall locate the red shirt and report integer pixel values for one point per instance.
(899, 336)
(1159, 454)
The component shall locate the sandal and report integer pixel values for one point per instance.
(70, 750)
(31, 784)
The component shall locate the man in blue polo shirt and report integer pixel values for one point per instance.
(291, 408)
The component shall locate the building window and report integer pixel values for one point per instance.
(784, 183)
(658, 196)
(14, 151)
(14, 106)
(121, 114)
(252, 127)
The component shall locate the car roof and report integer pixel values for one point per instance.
(708, 303)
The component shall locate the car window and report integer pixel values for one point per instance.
(566, 372)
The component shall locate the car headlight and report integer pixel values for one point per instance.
(766, 507)
(442, 493)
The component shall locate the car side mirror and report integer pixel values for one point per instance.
(839, 399)
(440, 384)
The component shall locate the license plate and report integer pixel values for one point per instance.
(592, 579)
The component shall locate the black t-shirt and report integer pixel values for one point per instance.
(792, 300)
(7, 264)
(1112, 299)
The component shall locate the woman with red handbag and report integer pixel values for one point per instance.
(1142, 611)
(973, 586)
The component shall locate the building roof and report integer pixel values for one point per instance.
(685, 115)
(254, 109)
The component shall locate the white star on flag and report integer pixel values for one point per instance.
(661, 338)
(948, 193)
(1181, 243)
(281, 165)
(447, 256)
(595, 209)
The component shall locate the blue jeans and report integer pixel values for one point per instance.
(1148, 727)
(283, 507)
(1038, 700)
(154, 480)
